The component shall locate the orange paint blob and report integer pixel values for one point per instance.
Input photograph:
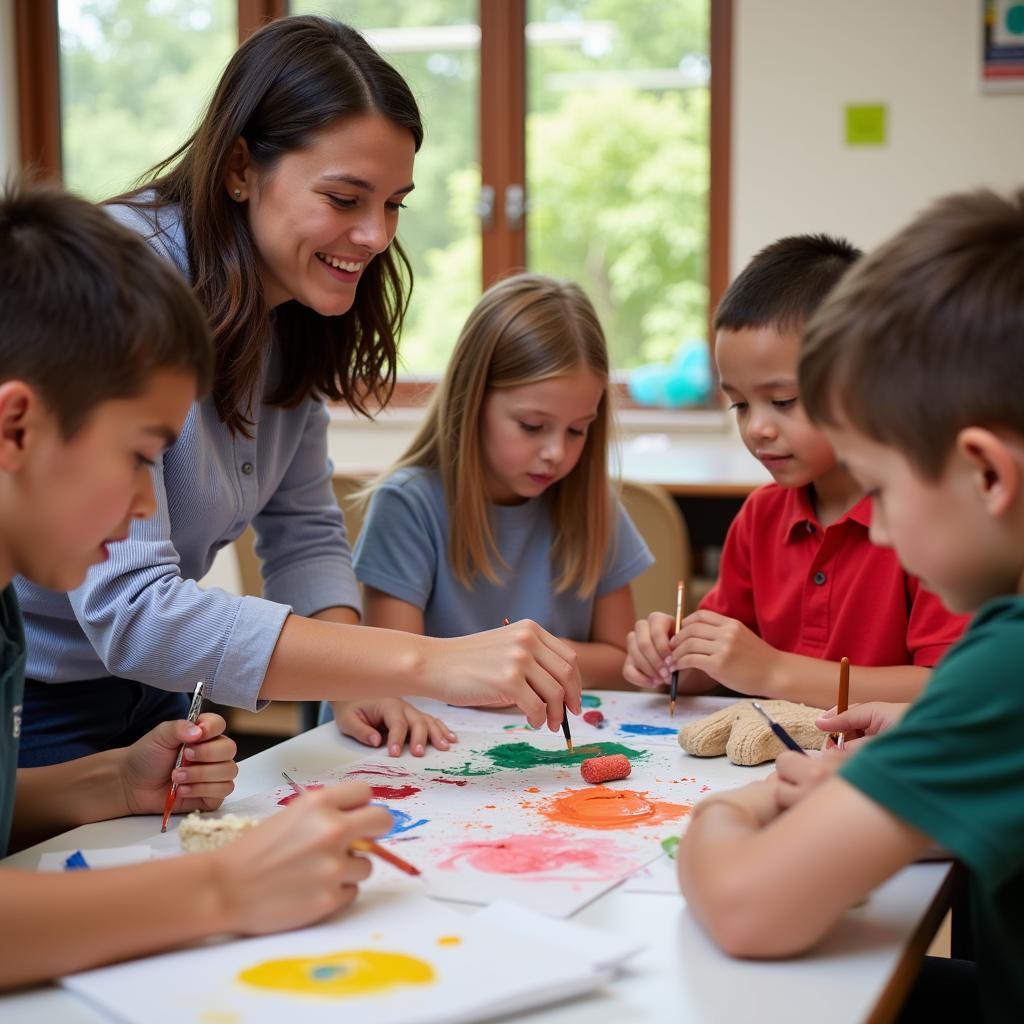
(601, 807)
(531, 789)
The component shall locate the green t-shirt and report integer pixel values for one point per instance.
(12, 686)
(954, 768)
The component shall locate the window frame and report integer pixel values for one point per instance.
(502, 128)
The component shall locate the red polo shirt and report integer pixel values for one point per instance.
(826, 592)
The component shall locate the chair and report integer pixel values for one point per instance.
(659, 521)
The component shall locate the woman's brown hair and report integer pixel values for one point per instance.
(524, 329)
(288, 81)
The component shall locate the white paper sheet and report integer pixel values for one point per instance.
(451, 968)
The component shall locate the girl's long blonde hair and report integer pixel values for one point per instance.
(524, 329)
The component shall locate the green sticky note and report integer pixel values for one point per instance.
(865, 124)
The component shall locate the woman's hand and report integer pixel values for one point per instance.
(296, 867)
(366, 720)
(206, 775)
(519, 664)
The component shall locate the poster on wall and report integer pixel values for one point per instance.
(1002, 46)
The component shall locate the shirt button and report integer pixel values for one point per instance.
(819, 578)
(810, 527)
(247, 468)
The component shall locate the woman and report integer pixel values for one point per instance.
(282, 210)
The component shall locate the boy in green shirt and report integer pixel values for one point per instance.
(914, 368)
(102, 348)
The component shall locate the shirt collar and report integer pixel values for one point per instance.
(799, 512)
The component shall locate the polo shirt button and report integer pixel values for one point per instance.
(810, 527)
(247, 468)
(819, 578)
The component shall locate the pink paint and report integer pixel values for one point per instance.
(286, 800)
(543, 858)
(452, 782)
(380, 769)
(394, 792)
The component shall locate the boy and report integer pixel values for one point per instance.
(800, 586)
(101, 350)
(914, 370)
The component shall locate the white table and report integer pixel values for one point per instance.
(859, 973)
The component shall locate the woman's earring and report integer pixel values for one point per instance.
(238, 193)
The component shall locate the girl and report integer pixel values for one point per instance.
(501, 506)
(281, 210)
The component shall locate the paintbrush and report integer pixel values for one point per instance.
(193, 714)
(778, 730)
(565, 714)
(843, 700)
(673, 689)
(365, 845)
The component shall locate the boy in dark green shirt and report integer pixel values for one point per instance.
(102, 349)
(914, 368)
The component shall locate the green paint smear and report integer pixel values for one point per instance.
(463, 770)
(525, 727)
(670, 846)
(590, 701)
(521, 756)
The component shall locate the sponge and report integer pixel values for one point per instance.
(596, 770)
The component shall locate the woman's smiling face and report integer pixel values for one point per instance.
(321, 213)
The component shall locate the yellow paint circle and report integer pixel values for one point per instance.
(354, 972)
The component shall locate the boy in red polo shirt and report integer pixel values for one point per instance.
(800, 584)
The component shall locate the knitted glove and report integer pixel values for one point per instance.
(739, 732)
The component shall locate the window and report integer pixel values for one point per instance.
(134, 76)
(617, 164)
(594, 136)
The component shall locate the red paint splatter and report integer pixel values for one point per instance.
(394, 792)
(490, 807)
(286, 800)
(705, 789)
(593, 718)
(452, 782)
(543, 857)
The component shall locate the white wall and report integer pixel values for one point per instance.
(797, 62)
(8, 98)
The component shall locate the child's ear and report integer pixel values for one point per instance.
(238, 179)
(996, 470)
(19, 406)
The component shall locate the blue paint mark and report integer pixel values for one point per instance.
(328, 972)
(637, 729)
(76, 862)
(403, 821)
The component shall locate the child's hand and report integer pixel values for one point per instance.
(725, 650)
(649, 651)
(519, 664)
(296, 867)
(758, 801)
(364, 720)
(862, 720)
(204, 779)
(800, 774)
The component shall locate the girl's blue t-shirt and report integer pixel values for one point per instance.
(402, 551)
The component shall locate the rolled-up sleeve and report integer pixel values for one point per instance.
(300, 532)
(147, 623)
